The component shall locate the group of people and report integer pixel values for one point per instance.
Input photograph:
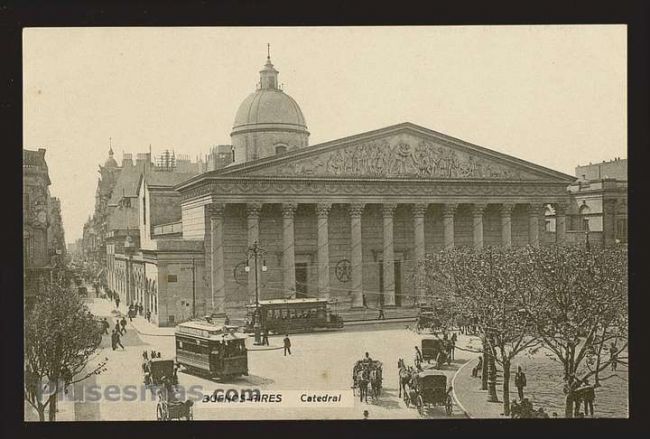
(579, 392)
(136, 309)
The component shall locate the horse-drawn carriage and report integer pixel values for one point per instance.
(436, 350)
(367, 378)
(428, 389)
(157, 371)
(169, 407)
(427, 319)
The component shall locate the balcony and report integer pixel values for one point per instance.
(168, 229)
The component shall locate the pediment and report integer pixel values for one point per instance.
(406, 152)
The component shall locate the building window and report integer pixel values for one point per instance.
(280, 149)
(172, 278)
(621, 230)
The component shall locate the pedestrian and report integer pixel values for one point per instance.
(117, 327)
(588, 397)
(105, 325)
(117, 301)
(613, 356)
(265, 337)
(520, 382)
(365, 415)
(226, 321)
(113, 339)
(454, 338)
(118, 341)
(148, 315)
(478, 368)
(123, 323)
(381, 314)
(287, 345)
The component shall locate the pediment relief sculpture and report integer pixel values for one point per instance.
(414, 159)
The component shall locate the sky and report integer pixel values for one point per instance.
(551, 95)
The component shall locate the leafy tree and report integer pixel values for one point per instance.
(584, 309)
(492, 288)
(61, 337)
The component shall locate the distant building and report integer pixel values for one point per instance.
(598, 208)
(143, 204)
(43, 239)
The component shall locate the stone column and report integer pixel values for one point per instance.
(356, 210)
(322, 211)
(506, 224)
(418, 211)
(217, 275)
(534, 212)
(609, 222)
(477, 213)
(389, 255)
(288, 247)
(560, 223)
(253, 214)
(448, 212)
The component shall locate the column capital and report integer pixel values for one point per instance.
(449, 209)
(560, 208)
(419, 209)
(506, 209)
(323, 210)
(478, 208)
(536, 209)
(217, 210)
(387, 209)
(289, 210)
(253, 209)
(356, 209)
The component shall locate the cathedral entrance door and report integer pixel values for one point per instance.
(301, 280)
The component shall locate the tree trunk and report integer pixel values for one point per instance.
(506, 387)
(484, 371)
(53, 408)
(41, 412)
(568, 405)
(492, 380)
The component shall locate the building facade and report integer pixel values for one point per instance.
(43, 236)
(350, 219)
(597, 212)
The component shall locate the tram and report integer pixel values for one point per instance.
(203, 348)
(282, 316)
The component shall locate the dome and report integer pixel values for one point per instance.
(269, 109)
(268, 122)
(110, 161)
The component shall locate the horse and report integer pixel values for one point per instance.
(362, 382)
(375, 382)
(405, 376)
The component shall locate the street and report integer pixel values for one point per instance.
(312, 366)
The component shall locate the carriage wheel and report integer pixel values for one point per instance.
(449, 405)
(419, 403)
(161, 412)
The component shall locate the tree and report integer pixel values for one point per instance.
(584, 308)
(61, 336)
(493, 287)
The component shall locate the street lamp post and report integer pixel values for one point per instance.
(255, 250)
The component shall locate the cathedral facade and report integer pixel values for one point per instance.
(350, 219)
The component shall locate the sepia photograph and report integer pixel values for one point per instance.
(325, 223)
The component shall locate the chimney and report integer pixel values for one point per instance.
(127, 159)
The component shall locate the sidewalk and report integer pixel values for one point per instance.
(469, 396)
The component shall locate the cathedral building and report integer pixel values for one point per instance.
(349, 219)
